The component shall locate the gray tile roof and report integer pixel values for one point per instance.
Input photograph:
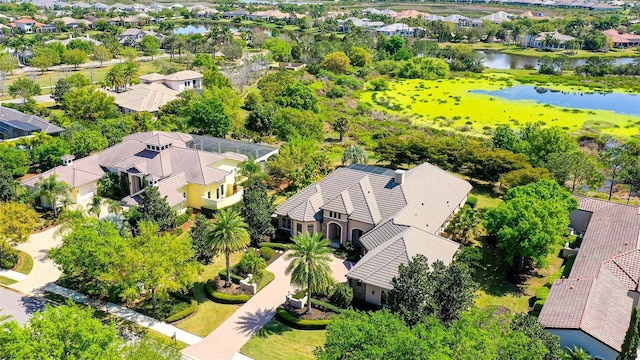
(27, 120)
(594, 298)
(168, 188)
(380, 265)
(381, 233)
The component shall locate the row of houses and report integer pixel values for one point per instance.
(29, 25)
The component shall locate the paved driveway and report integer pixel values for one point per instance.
(18, 305)
(44, 270)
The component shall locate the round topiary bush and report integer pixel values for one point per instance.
(9, 258)
(267, 253)
(472, 201)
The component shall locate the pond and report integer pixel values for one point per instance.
(498, 60)
(617, 102)
(190, 29)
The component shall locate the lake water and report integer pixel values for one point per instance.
(498, 60)
(617, 102)
(190, 29)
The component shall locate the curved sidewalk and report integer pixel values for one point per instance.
(44, 270)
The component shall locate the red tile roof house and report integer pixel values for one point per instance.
(622, 40)
(592, 308)
(391, 215)
(27, 26)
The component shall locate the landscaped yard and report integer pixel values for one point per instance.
(25, 264)
(447, 104)
(209, 314)
(277, 341)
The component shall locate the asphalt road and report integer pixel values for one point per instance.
(18, 305)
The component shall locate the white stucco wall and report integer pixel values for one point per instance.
(373, 293)
(597, 350)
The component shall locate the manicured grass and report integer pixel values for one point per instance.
(209, 314)
(25, 263)
(447, 104)
(278, 341)
(486, 197)
(164, 339)
(496, 289)
(6, 281)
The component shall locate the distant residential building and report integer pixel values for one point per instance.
(409, 14)
(429, 18)
(533, 15)
(458, 20)
(133, 36)
(398, 29)
(269, 15)
(345, 25)
(15, 124)
(66, 41)
(548, 40)
(622, 40)
(72, 23)
(28, 26)
(498, 17)
(237, 13)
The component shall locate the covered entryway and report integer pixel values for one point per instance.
(334, 233)
(355, 236)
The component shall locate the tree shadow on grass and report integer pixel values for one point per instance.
(252, 322)
(495, 276)
(274, 327)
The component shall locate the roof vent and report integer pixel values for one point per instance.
(67, 160)
(399, 176)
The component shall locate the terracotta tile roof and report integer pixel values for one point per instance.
(594, 299)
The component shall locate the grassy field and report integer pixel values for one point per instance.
(210, 314)
(531, 52)
(277, 341)
(447, 104)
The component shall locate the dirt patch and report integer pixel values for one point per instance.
(234, 289)
(315, 314)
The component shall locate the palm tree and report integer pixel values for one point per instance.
(576, 353)
(228, 235)
(465, 224)
(354, 154)
(250, 168)
(115, 78)
(130, 71)
(252, 263)
(310, 264)
(95, 207)
(51, 189)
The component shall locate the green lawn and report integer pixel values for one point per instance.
(447, 104)
(25, 263)
(486, 197)
(209, 314)
(277, 341)
(6, 281)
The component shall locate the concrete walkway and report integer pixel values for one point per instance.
(127, 314)
(225, 341)
(44, 270)
(14, 275)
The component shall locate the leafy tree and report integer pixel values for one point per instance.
(150, 46)
(50, 189)
(615, 159)
(77, 44)
(465, 224)
(74, 57)
(25, 88)
(530, 327)
(257, 209)
(530, 221)
(95, 207)
(48, 153)
(78, 80)
(232, 51)
(208, 114)
(161, 263)
(212, 77)
(310, 264)
(14, 161)
(228, 235)
(61, 88)
(575, 167)
(290, 123)
(88, 104)
(523, 177)
(129, 53)
(261, 118)
(17, 222)
(86, 141)
(101, 54)
(155, 209)
(359, 56)
(201, 227)
(629, 349)
(298, 96)
(7, 186)
(61, 332)
(541, 143)
(341, 126)
(354, 154)
(89, 252)
(336, 62)
(379, 84)
(298, 163)
(42, 62)
(280, 49)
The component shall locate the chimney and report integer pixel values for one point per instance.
(67, 160)
(399, 176)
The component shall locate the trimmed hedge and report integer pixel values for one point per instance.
(276, 246)
(553, 277)
(267, 253)
(537, 306)
(184, 313)
(472, 201)
(542, 293)
(325, 306)
(566, 269)
(225, 298)
(234, 278)
(292, 321)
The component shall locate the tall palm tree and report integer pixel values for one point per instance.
(310, 264)
(228, 235)
(115, 78)
(130, 71)
(51, 189)
(354, 154)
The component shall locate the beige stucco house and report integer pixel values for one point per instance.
(183, 173)
(391, 215)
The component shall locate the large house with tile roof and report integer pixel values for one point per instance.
(592, 307)
(185, 175)
(391, 215)
(15, 124)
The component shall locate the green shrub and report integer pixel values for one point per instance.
(276, 246)
(348, 81)
(325, 306)
(342, 296)
(267, 253)
(181, 219)
(265, 279)
(251, 263)
(553, 277)
(288, 319)
(542, 293)
(184, 313)
(9, 258)
(566, 269)
(472, 201)
(336, 92)
(225, 298)
(537, 306)
(235, 278)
